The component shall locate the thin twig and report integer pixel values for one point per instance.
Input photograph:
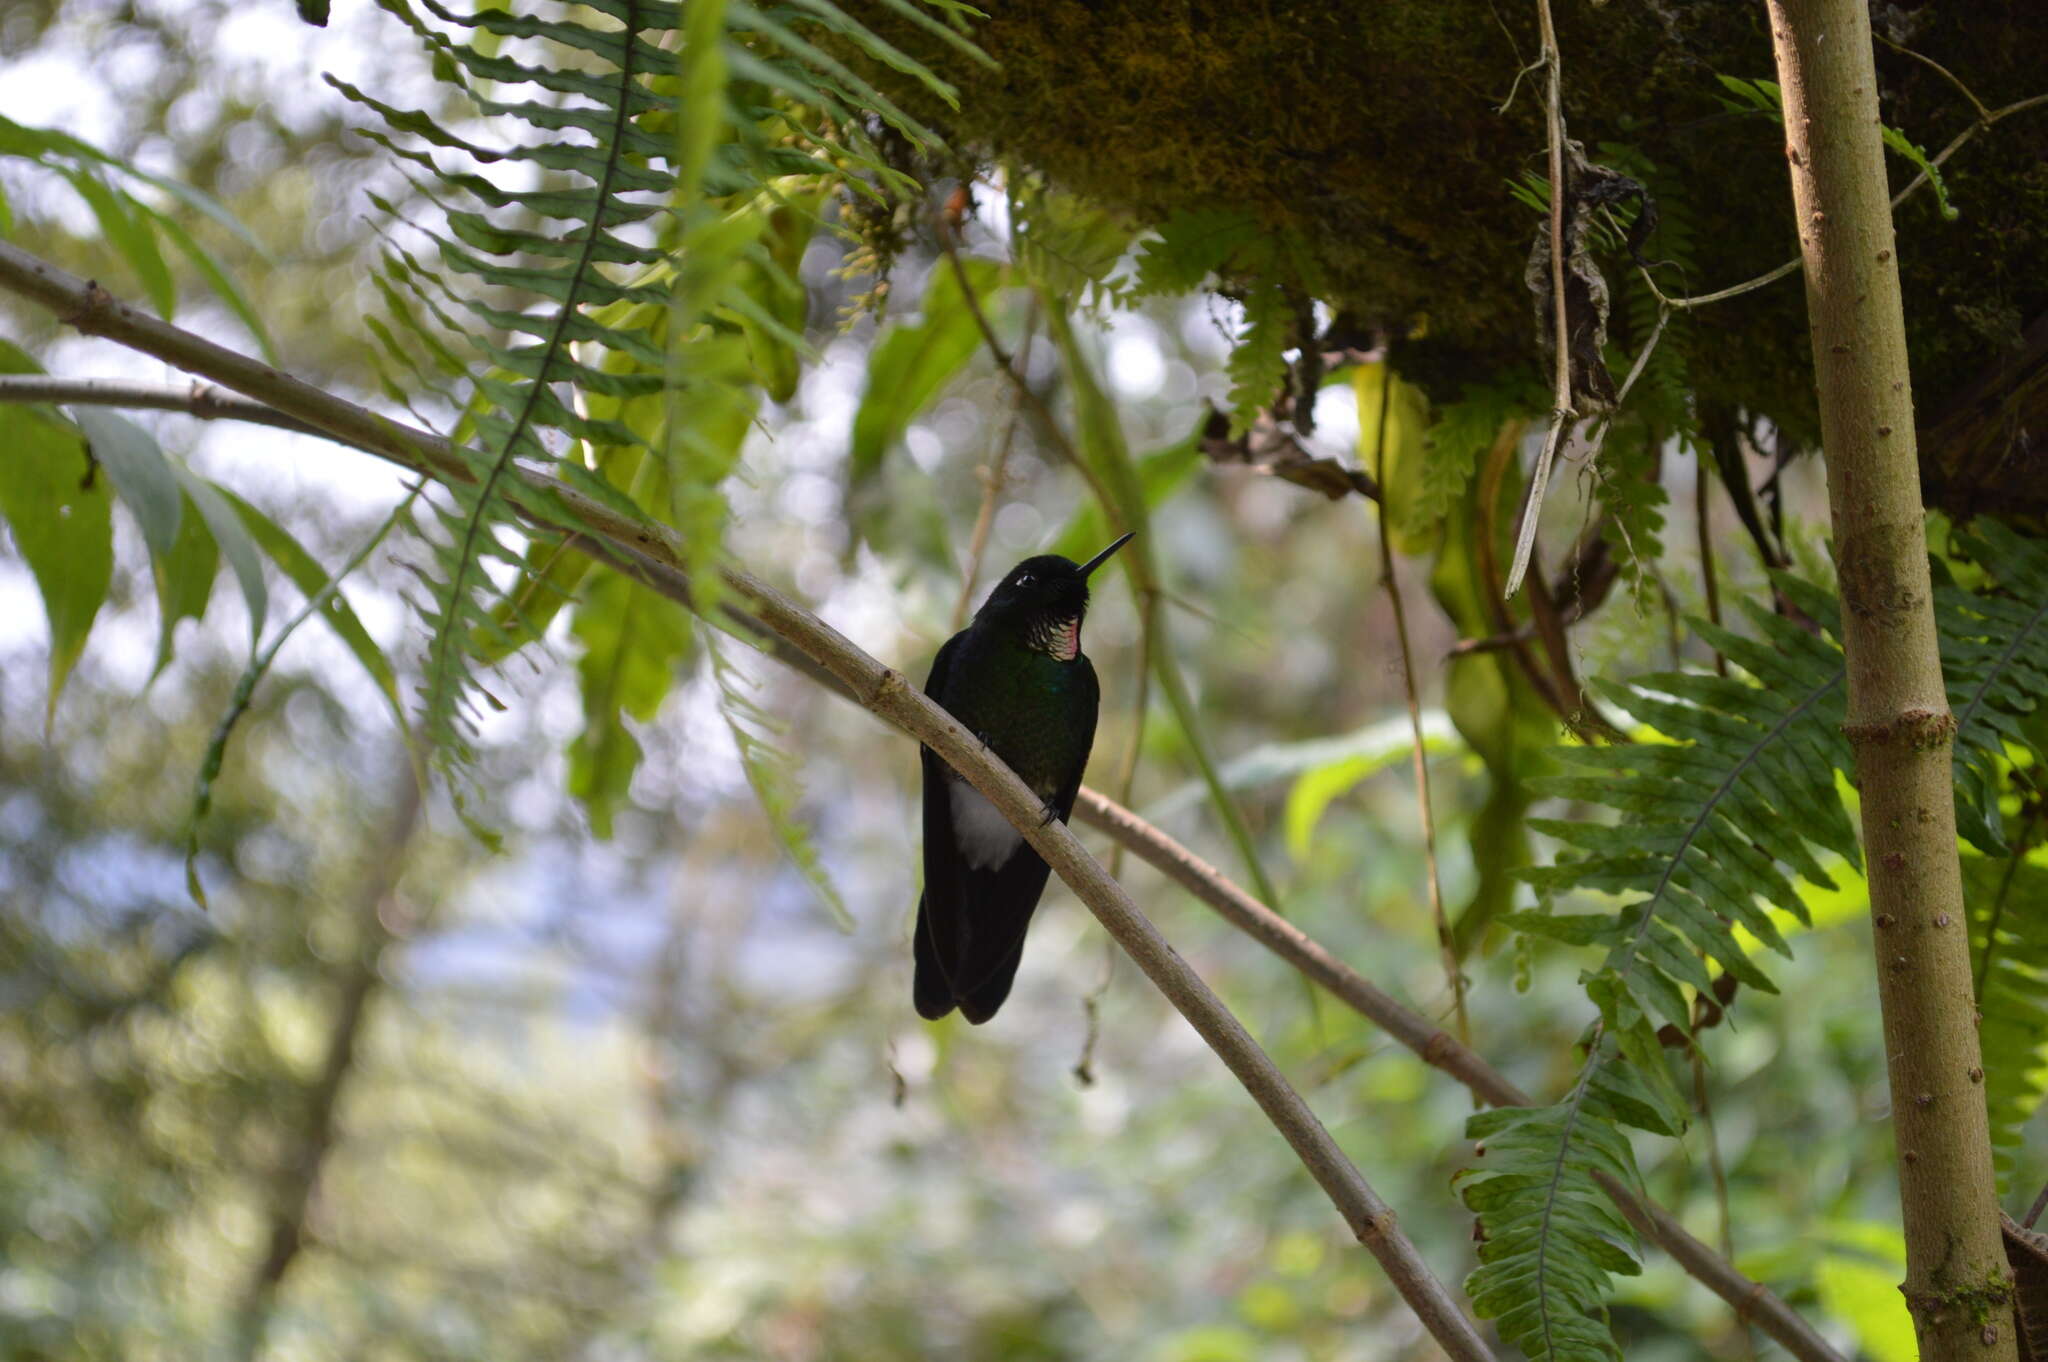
(1946, 74)
(1445, 946)
(1026, 394)
(1703, 524)
(994, 478)
(1563, 411)
(1792, 266)
(1127, 769)
(203, 400)
(2040, 1205)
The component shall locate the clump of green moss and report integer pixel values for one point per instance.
(1386, 139)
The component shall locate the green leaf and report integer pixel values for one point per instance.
(311, 579)
(1403, 424)
(234, 541)
(913, 361)
(143, 477)
(183, 557)
(184, 579)
(1897, 140)
(62, 518)
(1340, 765)
(634, 646)
(1189, 246)
(15, 360)
(1258, 365)
(1858, 1284)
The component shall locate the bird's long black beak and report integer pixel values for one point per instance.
(1099, 559)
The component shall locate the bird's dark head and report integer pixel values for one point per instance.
(1046, 597)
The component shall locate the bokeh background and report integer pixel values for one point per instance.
(396, 1095)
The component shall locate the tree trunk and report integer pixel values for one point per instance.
(1899, 723)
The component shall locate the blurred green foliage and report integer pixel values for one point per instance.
(397, 1096)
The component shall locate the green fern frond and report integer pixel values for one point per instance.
(1065, 246)
(616, 283)
(1552, 1237)
(1994, 647)
(516, 398)
(773, 777)
(1190, 246)
(2008, 901)
(1715, 826)
(1258, 366)
(1717, 823)
(1461, 434)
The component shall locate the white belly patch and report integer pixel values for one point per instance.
(985, 837)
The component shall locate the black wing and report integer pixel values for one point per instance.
(999, 902)
(939, 909)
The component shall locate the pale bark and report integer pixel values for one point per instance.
(1899, 725)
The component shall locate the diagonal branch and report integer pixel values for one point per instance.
(648, 553)
(1432, 1044)
(653, 555)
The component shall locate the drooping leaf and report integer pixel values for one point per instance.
(1339, 765)
(60, 511)
(235, 543)
(184, 580)
(1403, 425)
(143, 477)
(635, 644)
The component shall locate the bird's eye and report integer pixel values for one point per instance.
(1024, 580)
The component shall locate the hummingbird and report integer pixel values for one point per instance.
(1016, 678)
